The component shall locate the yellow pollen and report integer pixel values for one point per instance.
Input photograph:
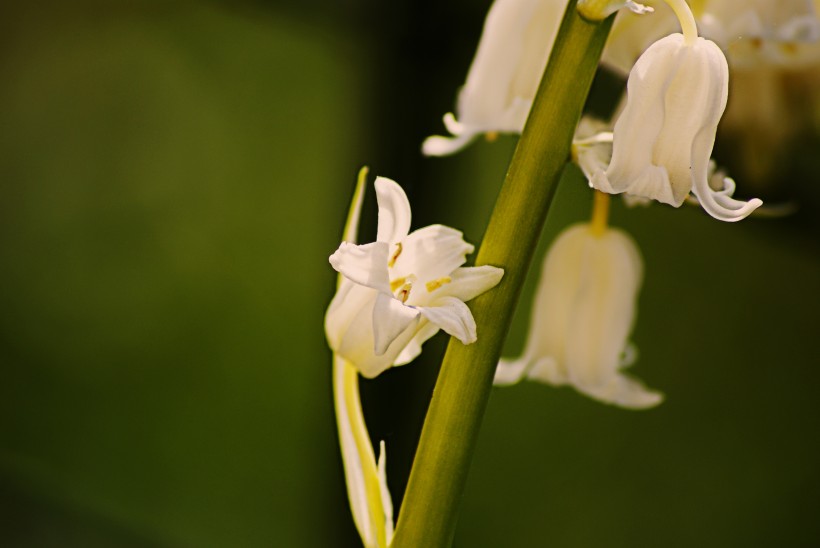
(491, 136)
(435, 284)
(397, 283)
(395, 256)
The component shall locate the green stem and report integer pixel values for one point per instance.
(429, 511)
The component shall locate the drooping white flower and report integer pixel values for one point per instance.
(663, 140)
(503, 78)
(583, 313)
(398, 291)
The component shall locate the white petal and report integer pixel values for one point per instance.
(350, 421)
(510, 372)
(439, 145)
(603, 311)
(720, 204)
(431, 253)
(695, 102)
(454, 317)
(390, 319)
(632, 34)
(640, 123)
(413, 348)
(469, 282)
(350, 302)
(506, 70)
(555, 296)
(387, 501)
(548, 371)
(592, 146)
(358, 343)
(624, 391)
(363, 264)
(394, 211)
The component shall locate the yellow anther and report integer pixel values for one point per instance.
(435, 284)
(397, 283)
(491, 136)
(395, 256)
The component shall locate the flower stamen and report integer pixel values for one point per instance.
(435, 284)
(401, 287)
(392, 261)
(404, 294)
(397, 283)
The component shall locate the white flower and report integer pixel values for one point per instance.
(752, 33)
(760, 32)
(592, 146)
(504, 76)
(398, 291)
(663, 139)
(366, 478)
(583, 312)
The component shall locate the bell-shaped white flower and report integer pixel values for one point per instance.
(503, 79)
(663, 139)
(398, 291)
(583, 313)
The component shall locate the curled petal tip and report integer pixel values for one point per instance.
(438, 145)
(726, 209)
(453, 125)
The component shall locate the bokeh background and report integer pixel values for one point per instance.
(173, 176)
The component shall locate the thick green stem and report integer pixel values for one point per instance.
(429, 511)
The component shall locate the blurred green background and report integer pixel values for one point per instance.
(173, 176)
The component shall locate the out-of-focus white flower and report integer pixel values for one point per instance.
(503, 79)
(632, 33)
(398, 291)
(597, 10)
(583, 313)
(756, 33)
(753, 34)
(663, 139)
(775, 65)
